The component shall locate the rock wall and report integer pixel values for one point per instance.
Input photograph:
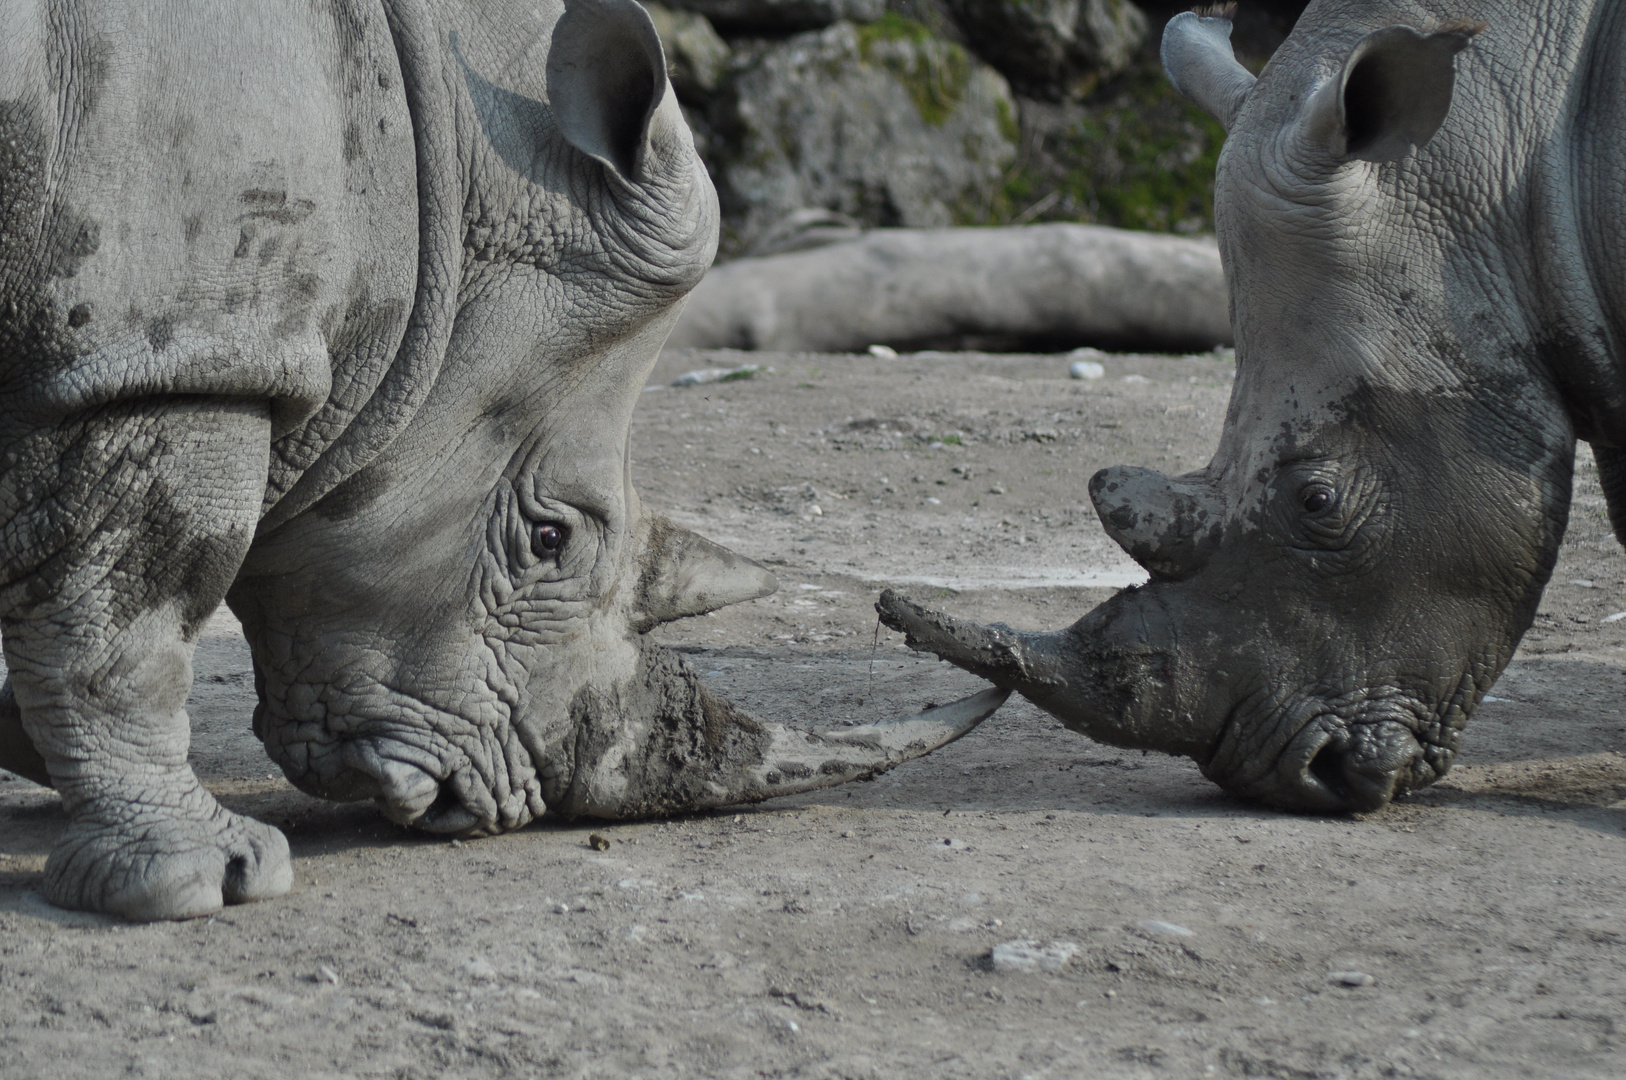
(851, 114)
(881, 122)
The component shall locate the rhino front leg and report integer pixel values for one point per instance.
(131, 526)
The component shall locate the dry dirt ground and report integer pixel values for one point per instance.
(849, 933)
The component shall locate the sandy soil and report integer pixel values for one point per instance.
(851, 933)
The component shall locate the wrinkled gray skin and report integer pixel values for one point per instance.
(1424, 234)
(340, 312)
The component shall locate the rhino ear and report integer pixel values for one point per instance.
(1197, 57)
(1392, 94)
(686, 574)
(606, 79)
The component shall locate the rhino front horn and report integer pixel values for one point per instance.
(1113, 675)
(1008, 658)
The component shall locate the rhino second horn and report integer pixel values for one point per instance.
(685, 574)
(1171, 526)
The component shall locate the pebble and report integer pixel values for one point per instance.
(883, 352)
(1086, 363)
(1028, 955)
(327, 975)
(1350, 978)
(1163, 929)
(1616, 617)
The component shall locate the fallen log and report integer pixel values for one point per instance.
(1049, 287)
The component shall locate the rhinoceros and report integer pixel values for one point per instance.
(339, 312)
(1420, 211)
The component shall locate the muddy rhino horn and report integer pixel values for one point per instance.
(685, 574)
(607, 82)
(1112, 675)
(1198, 60)
(690, 749)
(1009, 658)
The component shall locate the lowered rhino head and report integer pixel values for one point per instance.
(1333, 595)
(456, 629)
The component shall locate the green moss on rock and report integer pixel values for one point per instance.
(1137, 155)
(934, 71)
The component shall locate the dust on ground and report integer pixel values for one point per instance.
(1172, 931)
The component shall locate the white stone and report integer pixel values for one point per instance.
(1028, 955)
(1164, 929)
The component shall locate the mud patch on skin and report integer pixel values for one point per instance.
(686, 744)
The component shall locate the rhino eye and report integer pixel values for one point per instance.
(1317, 498)
(546, 540)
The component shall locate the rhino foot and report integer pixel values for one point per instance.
(183, 862)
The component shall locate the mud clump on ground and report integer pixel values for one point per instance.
(1021, 903)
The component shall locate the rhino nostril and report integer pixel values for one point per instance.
(406, 791)
(448, 815)
(1328, 767)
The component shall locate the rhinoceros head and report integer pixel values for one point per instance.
(457, 628)
(1334, 593)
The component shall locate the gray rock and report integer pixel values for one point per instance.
(1053, 49)
(884, 123)
(781, 16)
(695, 54)
(1052, 285)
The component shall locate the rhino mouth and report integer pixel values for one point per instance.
(422, 766)
(1339, 763)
